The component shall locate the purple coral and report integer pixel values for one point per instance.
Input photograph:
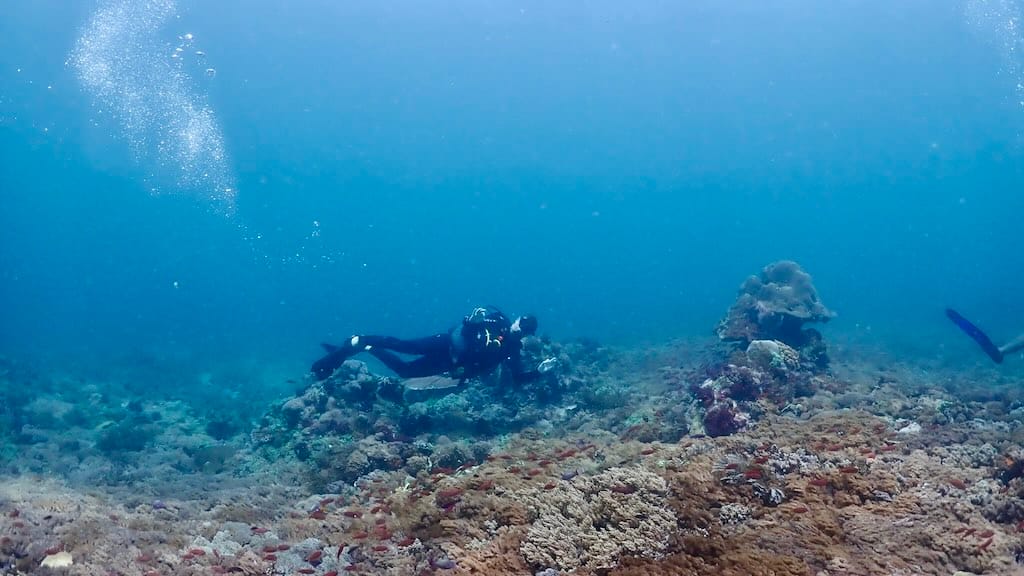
(723, 419)
(743, 383)
(704, 393)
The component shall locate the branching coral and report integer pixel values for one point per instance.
(594, 521)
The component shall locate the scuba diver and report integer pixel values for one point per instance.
(996, 353)
(483, 341)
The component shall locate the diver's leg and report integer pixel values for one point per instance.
(438, 344)
(1013, 346)
(428, 365)
(436, 352)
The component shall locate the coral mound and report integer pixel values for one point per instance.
(777, 360)
(775, 306)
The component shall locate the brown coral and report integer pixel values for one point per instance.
(591, 523)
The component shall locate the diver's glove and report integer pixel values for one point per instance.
(547, 365)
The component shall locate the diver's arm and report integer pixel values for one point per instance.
(1013, 346)
(521, 374)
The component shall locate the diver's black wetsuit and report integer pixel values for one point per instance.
(434, 353)
(482, 342)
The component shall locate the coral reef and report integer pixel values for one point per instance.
(659, 460)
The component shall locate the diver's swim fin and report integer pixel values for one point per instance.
(974, 332)
(335, 357)
(324, 367)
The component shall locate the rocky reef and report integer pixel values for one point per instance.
(356, 422)
(838, 493)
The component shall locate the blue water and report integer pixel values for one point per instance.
(615, 168)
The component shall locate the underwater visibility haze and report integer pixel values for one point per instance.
(196, 195)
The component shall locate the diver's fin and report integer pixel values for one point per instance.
(324, 367)
(974, 332)
(329, 348)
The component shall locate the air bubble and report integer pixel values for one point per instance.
(996, 22)
(170, 128)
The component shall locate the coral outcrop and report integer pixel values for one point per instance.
(776, 305)
(356, 421)
(774, 360)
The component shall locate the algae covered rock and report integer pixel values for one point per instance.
(772, 355)
(129, 435)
